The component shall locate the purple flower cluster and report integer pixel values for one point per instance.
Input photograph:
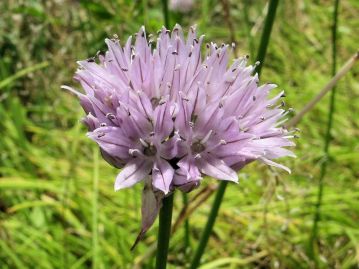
(176, 115)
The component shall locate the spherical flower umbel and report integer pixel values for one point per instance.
(169, 115)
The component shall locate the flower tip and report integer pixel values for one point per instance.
(67, 88)
(116, 188)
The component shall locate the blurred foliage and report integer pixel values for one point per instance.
(47, 165)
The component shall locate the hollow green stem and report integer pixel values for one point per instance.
(186, 223)
(166, 16)
(209, 226)
(328, 138)
(272, 8)
(164, 232)
(220, 192)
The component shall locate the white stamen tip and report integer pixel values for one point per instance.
(143, 142)
(223, 142)
(205, 139)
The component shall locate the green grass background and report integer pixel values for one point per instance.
(57, 204)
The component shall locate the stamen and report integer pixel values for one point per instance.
(205, 139)
(143, 142)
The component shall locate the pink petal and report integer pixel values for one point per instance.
(216, 168)
(134, 171)
(162, 175)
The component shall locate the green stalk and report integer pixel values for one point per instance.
(222, 186)
(248, 26)
(95, 255)
(272, 8)
(323, 168)
(186, 223)
(166, 15)
(165, 218)
(164, 232)
(209, 226)
(145, 12)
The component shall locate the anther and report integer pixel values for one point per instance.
(110, 116)
(100, 135)
(223, 142)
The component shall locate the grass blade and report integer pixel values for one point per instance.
(7, 81)
(323, 168)
(95, 258)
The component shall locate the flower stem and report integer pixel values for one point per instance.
(166, 16)
(222, 187)
(209, 226)
(186, 223)
(164, 232)
(266, 34)
(328, 138)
